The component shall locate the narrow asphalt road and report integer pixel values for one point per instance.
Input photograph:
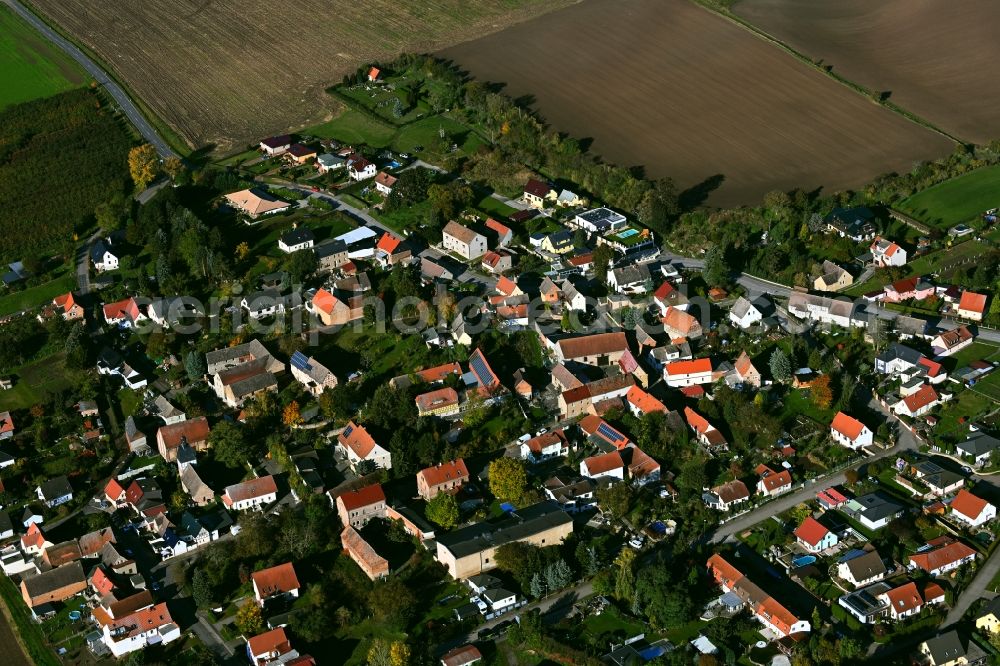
(83, 264)
(906, 442)
(102, 78)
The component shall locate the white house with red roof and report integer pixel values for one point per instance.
(771, 483)
(272, 647)
(124, 313)
(971, 509)
(503, 232)
(947, 343)
(446, 477)
(640, 402)
(605, 465)
(971, 306)
(707, 434)
(545, 446)
(497, 261)
(814, 536)
(688, 373)
(745, 372)
(917, 403)
(275, 582)
(114, 491)
(727, 495)
(357, 445)
(903, 601)
(850, 432)
(147, 626)
(944, 554)
(253, 494)
(391, 250)
(887, 253)
(384, 182)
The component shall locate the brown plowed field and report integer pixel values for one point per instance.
(686, 93)
(939, 58)
(231, 71)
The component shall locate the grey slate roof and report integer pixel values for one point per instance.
(55, 488)
(55, 579)
(978, 443)
(866, 566)
(523, 523)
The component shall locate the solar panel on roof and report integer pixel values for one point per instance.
(347, 431)
(609, 433)
(482, 369)
(300, 361)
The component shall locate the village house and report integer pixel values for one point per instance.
(726, 496)
(604, 465)
(600, 349)
(275, 582)
(950, 649)
(384, 182)
(238, 383)
(471, 550)
(939, 481)
(125, 313)
(463, 241)
(253, 494)
(328, 162)
(706, 434)
(850, 432)
(193, 432)
(374, 565)
(124, 634)
(949, 342)
(911, 288)
(903, 601)
(357, 507)
(917, 403)
(679, 324)
(391, 250)
(814, 536)
(497, 262)
(54, 492)
(745, 372)
(874, 510)
(862, 568)
(65, 306)
(972, 510)
(199, 492)
(855, 223)
(299, 154)
(640, 403)
(765, 608)
(688, 373)
(145, 497)
(53, 586)
(536, 193)
(545, 446)
(273, 647)
(275, 145)
(576, 402)
(439, 402)
(745, 313)
(559, 242)
(313, 375)
(255, 204)
(832, 278)
(988, 618)
(102, 256)
(358, 168)
(630, 279)
(945, 554)
(467, 655)
(886, 253)
(331, 255)
(503, 234)
(296, 239)
(599, 221)
(443, 477)
(333, 311)
(771, 483)
(971, 306)
(357, 446)
(978, 447)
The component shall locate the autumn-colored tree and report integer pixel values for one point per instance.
(172, 166)
(291, 416)
(822, 396)
(143, 165)
(37, 411)
(249, 620)
(242, 250)
(399, 654)
(507, 479)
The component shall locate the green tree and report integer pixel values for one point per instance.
(201, 589)
(716, 270)
(442, 510)
(392, 602)
(194, 365)
(410, 188)
(229, 445)
(249, 619)
(781, 366)
(625, 579)
(603, 256)
(507, 479)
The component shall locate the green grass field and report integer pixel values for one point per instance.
(32, 67)
(36, 296)
(33, 381)
(957, 200)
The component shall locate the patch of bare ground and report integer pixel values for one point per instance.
(685, 93)
(937, 58)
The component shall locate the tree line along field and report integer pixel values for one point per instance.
(685, 93)
(31, 66)
(230, 73)
(60, 157)
(961, 199)
(938, 59)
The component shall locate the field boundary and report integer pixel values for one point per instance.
(873, 96)
(28, 636)
(172, 138)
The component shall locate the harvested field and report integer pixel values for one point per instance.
(231, 72)
(687, 94)
(938, 59)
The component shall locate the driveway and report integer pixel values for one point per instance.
(83, 264)
(122, 100)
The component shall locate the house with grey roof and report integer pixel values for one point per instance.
(978, 448)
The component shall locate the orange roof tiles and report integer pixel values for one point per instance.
(324, 301)
(259, 487)
(276, 580)
(697, 366)
(271, 642)
(506, 286)
(445, 472)
(192, 430)
(604, 463)
(972, 302)
(113, 490)
(387, 243)
(436, 399)
(439, 373)
(942, 556)
(698, 422)
(541, 442)
(924, 396)
(362, 497)
(904, 598)
(592, 345)
(679, 320)
(643, 401)
(723, 571)
(141, 621)
(848, 426)
(357, 439)
(968, 505)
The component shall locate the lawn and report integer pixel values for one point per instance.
(493, 207)
(968, 404)
(957, 200)
(33, 381)
(977, 351)
(942, 262)
(36, 296)
(32, 67)
(354, 127)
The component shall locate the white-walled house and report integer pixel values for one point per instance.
(887, 253)
(814, 536)
(148, 626)
(972, 510)
(253, 494)
(850, 432)
(605, 465)
(102, 256)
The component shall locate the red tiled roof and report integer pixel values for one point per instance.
(955, 337)
(933, 367)
(697, 366)
(501, 229)
(66, 301)
(923, 397)
(439, 372)
(848, 426)
(643, 401)
(387, 243)
(904, 598)
(270, 642)
(696, 420)
(387, 180)
(324, 301)
(537, 188)
(276, 580)
(436, 399)
(592, 345)
(744, 365)
(604, 462)
(949, 553)
(810, 531)
(6, 422)
(358, 440)
(663, 291)
(101, 583)
(904, 286)
(972, 302)
(591, 425)
(141, 621)
(118, 309)
(968, 505)
(679, 320)
(33, 537)
(445, 472)
(777, 480)
(723, 571)
(695, 391)
(461, 656)
(114, 489)
(192, 430)
(362, 497)
(581, 259)
(506, 286)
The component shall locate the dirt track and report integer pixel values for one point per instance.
(680, 90)
(938, 58)
(228, 72)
